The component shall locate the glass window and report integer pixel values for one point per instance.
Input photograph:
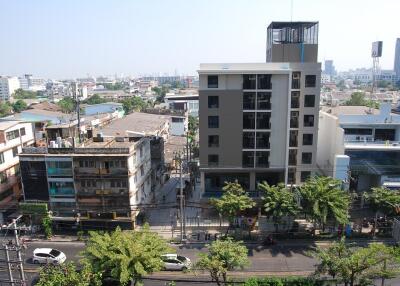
(15, 151)
(212, 81)
(292, 157)
(294, 119)
(308, 139)
(248, 140)
(213, 101)
(22, 131)
(249, 100)
(263, 120)
(213, 141)
(262, 159)
(249, 81)
(12, 134)
(293, 135)
(248, 159)
(357, 131)
(1, 158)
(249, 120)
(264, 100)
(213, 160)
(305, 175)
(295, 99)
(306, 158)
(311, 80)
(264, 81)
(262, 140)
(291, 176)
(308, 120)
(296, 80)
(309, 100)
(213, 122)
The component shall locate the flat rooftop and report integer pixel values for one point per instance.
(5, 124)
(136, 122)
(107, 143)
(240, 68)
(350, 110)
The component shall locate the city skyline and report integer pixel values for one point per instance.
(73, 39)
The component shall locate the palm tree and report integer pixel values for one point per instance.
(278, 202)
(323, 199)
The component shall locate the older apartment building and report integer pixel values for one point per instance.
(259, 121)
(104, 181)
(13, 136)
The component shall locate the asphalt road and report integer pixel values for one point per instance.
(284, 259)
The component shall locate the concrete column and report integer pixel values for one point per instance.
(252, 181)
(202, 184)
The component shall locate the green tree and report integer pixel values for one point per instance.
(95, 99)
(223, 256)
(357, 99)
(47, 224)
(234, 200)
(323, 199)
(125, 255)
(278, 202)
(67, 105)
(357, 265)
(5, 108)
(384, 200)
(19, 105)
(134, 103)
(161, 92)
(24, 94)
(67, 275)
(115, 86)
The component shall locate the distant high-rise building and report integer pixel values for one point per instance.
(8, 85)
(329, 68)
(397, 58)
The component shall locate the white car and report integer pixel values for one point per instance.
(175, 262)
(48, 255)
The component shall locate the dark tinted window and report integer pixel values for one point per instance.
(213, 122)
(357, 131)
(262, 140)
(263, 120)
(293, 138)
(308, 120)
(15, 151)
(291, 176)
(305, 175)
(212, 81)
(248, 140)
(264, 81)
(295, 99)
(213, 101)
(292, 157)
(248, 159)
(262, 159)
(294, 119)
(263, 100)
(296, 80)
(307, 139)
(213, 160)
(249, 100)
(55, 252)
(311, 80)
(306, 158)
(22, 131)
(309, 100)
(249, 81)
(249, 120)
(213, 141)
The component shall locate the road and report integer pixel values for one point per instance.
(281, 260)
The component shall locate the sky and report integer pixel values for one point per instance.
(76, 38)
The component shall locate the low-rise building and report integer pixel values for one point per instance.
(104, 181)
(13, 136)
(360, 145)
(8, 85)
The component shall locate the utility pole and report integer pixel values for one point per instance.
(18, 248)
(178, 158)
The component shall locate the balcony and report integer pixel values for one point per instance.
(371, 144)
(100, 172)
(54, 192)
(57, 172)
(9, 182)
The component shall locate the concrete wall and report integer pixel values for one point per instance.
(293, 53)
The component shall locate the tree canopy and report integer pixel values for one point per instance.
(125, 255)
(223, 256)
(19, 105)
(278, 202)
(24, 94)
(134, 103)
(357, 265)
(5, 108)
(95, 99)
(67, 104)
(358, 99)
(384, 200)
(161, 92)
(233, 200)
(323, 199)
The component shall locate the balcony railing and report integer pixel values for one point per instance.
(62, 192)
(371, 142)
(53, 172)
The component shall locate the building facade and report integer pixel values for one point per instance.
(105, 181)
(8, 85)
(397, 58)
(13, 136)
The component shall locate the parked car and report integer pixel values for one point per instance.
(48, 255)
(175, 262)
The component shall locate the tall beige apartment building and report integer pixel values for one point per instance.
(259, 121)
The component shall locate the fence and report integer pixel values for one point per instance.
(396, 230)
